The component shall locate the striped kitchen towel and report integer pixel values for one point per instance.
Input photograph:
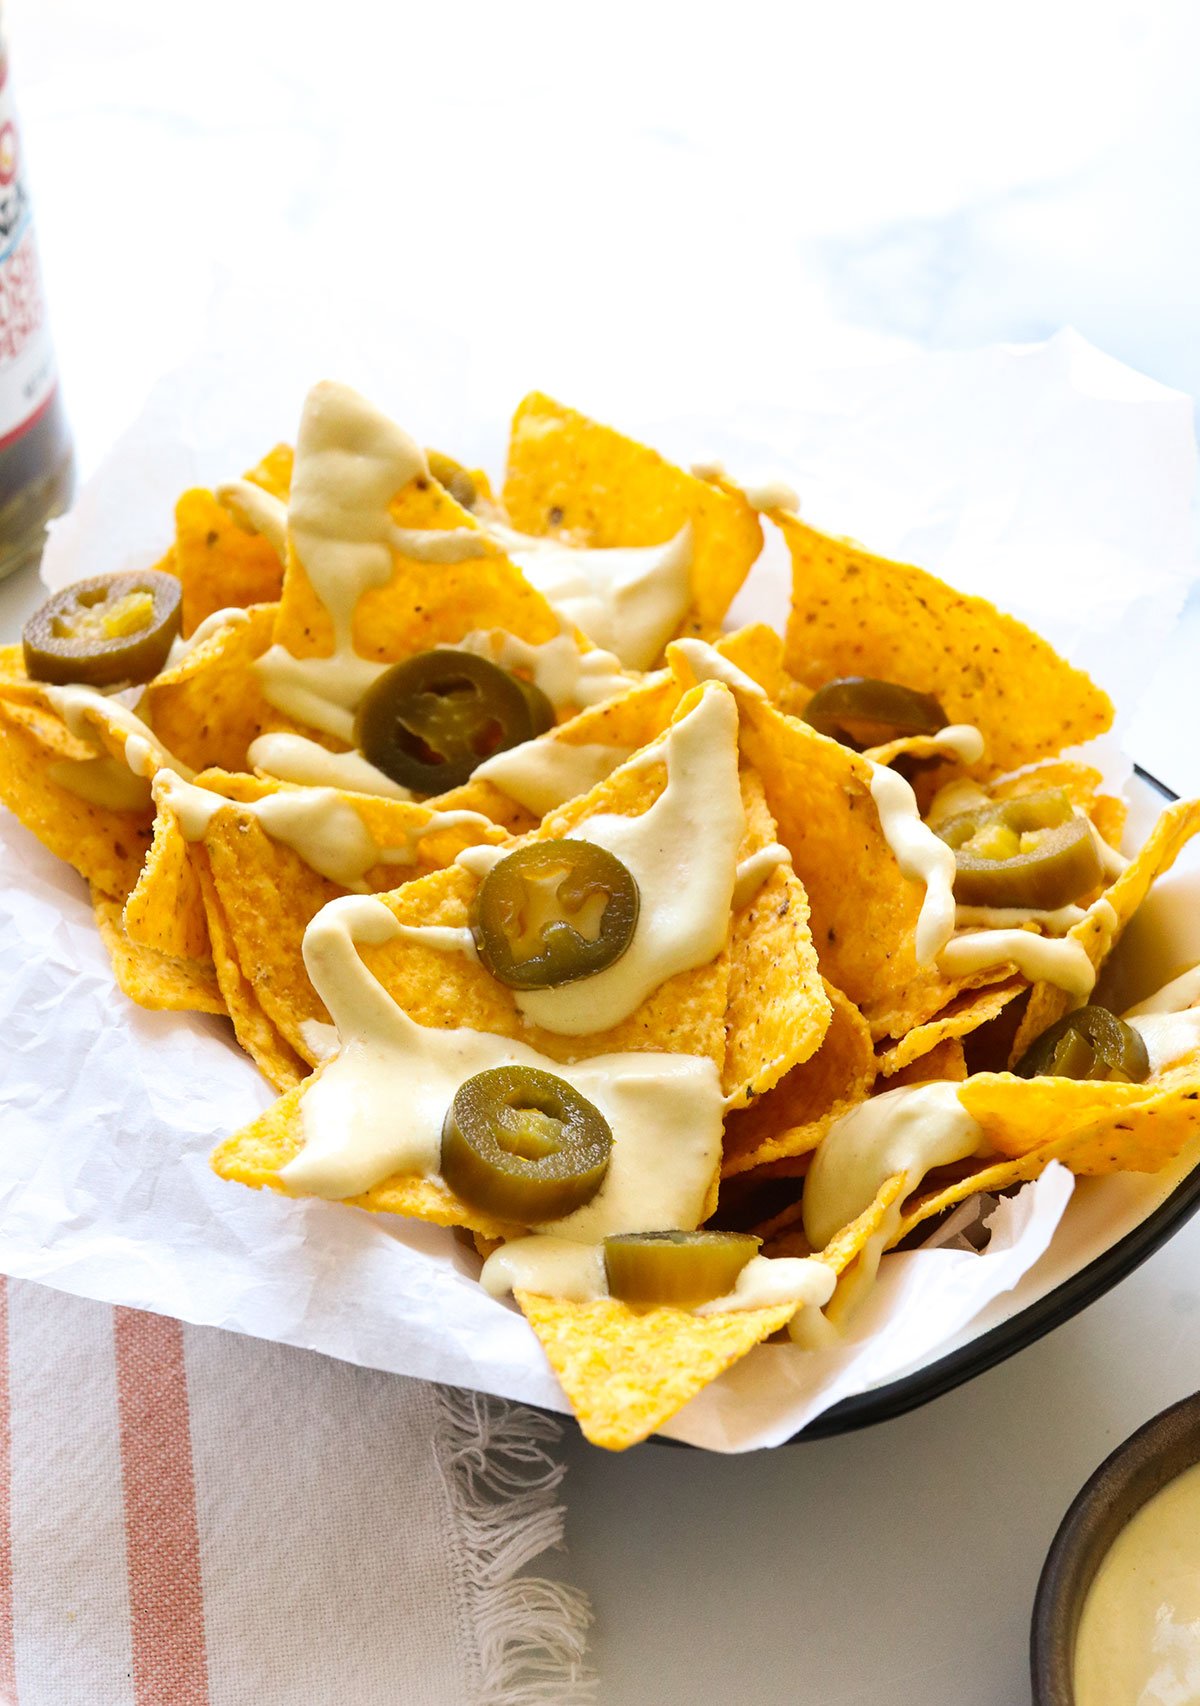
(193, 1518)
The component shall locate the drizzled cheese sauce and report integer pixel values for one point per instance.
(566, 674)
(908, 1131)
(628, 600)
(708, 664)
(683, 855)
(922, 857)
(316, 823)
(83, 708)
(257, 511)
(294, 758)
(1182, 992)
(542, 774)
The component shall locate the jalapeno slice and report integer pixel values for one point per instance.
(541, 711)
(1029, 852)
(454, 477)
(1090, 1043)
(553, 912)
(677, 1268)
(109, 629)
(860, 712)
(427, 722)
(524, 1145)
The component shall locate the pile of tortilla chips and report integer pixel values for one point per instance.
(817, 1000)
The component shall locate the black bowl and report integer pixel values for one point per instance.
(1124, 1482)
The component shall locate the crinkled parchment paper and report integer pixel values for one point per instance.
(1048, 477)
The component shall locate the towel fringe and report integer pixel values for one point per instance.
(529, 1633)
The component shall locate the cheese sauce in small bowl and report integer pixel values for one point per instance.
(1116, 1621)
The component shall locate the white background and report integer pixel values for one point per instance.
(681, 205)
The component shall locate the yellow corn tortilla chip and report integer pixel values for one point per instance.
(572, 478)
(857, 614)
(107, 847)
(793, 1116)
(150, 978)
(1128, 1133)
(625, 1371)
(255, 1156)
(778, 1010)
(268, 894)
(423, 604)
(1171, 833)
(270, 1051)
(220, 563)
(974, 1007)
(864, 910)
(208, 708)
(945, 1060)
(165, 911)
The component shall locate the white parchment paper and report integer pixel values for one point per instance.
(1048, 477)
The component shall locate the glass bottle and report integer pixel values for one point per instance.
(36, 460)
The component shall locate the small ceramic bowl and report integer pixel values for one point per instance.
(1148, 1460)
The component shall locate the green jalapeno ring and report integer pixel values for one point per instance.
(431, 719)
(553, 912)
(678, 1269)
(541, 710)
(995, 868)
(104, 631)
(524, 1145)
(860, 711)
(1090, 1043)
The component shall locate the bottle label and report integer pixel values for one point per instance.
(27, 370)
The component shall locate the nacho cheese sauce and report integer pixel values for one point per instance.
(1182, 992)
(257, 511)
(1138, 1642)
(922, 856)
(229, 616)
(682, 853)
(377, 1107)
(105, 782)
(316, 823)
(708, 664)
(753, 871)
(1062, 961)
(542, 774)
(767, 1280)
(293, 758)
(82, 708)
(961, 740)
(1169, 1037)
(908, 1131)
(627, 599)
(350, 463)
(566, 674)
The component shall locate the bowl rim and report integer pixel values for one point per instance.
(1153, 1456)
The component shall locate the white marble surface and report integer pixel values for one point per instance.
(606, 200)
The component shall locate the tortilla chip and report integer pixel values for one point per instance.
(625, 1371)
(165, 911)
(270, 1051)
(218, 562)
(255, 1156)
(1134, 1128)
(864, 910)
(571, 478)
(268, 894)
(944, 1061)
(1171, 833)
(857, 614)
(974, 1007)
(107, 847)
(208, 708)
(423, 604)
(778, 1011)
(274, 472)
(152, 979)
(793, 1117)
